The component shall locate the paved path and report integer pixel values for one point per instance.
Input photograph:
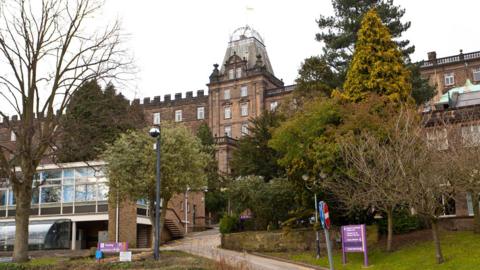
(205, 244)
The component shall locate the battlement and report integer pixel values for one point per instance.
(168, 101)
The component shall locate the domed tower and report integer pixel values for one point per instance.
(237, 89)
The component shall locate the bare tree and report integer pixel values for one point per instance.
(48, 49)
(375, 175)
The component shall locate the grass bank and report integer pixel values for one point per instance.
(168, 260)
(460, 249)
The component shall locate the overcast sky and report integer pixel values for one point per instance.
(176, 42)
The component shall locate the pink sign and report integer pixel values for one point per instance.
(354, 239)
(112, 247)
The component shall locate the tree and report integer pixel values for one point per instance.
(49, 52)
(131, 156)
(377, 65)
(254, 156)
(215, 199)
(270, 202)
(422, 91)
(339, 32)
(94, 118)
(315, 78)
(374, 177)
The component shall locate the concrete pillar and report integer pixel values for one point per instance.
(74, 235)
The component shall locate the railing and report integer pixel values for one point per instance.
(450, 59)
(226, 140)
(281, 90)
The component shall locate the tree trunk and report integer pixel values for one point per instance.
(23, 197)
(389, 229)
(436, 241)
(476, 212)
(163, 214)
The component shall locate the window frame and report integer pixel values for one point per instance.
(273, 106)
(449, 79)
(244, 109)
(244, 129)
(227, 94)
(476, 71)
(156, 118)
(244, 91)
(178, 113)
(231, 74)
(238, 72)
(200, 113)
(229, 132)
(229, 110)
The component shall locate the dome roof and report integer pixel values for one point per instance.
(245, 32)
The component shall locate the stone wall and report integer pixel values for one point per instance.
(272, 241)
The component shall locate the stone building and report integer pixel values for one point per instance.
(73, 200)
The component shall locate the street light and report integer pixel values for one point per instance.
(155, 133)
(305, 178)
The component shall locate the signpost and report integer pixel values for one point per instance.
(112, 247)
(325, 219)
(354, 239)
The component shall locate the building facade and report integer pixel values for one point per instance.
(71, 209)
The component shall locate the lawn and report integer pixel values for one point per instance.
(460, 249)
(169, 260)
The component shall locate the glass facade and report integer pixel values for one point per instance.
(60, 188)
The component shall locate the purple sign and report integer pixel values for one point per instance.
(112, 247)
(354, 239)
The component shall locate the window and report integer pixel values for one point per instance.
(239, 73)
(68, 193)
(50, 194)
(13, 136)
(201, 113)
(226, 94)
(231, 74)
(471, 135)
(273, 106)
(244, 129)
(244, 109)
(178, 116)
(84, 193)
(448, 205)
(476, 75)
(3, 197)
(228, 112)
(243, 91)
(449, 79)
(228, 131)
(156, 118)
(438, 138)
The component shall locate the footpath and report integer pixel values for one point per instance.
(206, 244)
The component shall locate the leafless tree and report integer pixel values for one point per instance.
(48, 49)
(375, 173)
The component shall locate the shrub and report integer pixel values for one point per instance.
(229, 224)
(403, 222)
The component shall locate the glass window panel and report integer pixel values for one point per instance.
(84, 193)
(50, 194)
(53, 182)
(84, 172)
(102, 192)
(99, 171)
(68, 181)
(52, 174)
(35, 196)
(68, 193)
(11, 198)
(3, 197)
(68, 173)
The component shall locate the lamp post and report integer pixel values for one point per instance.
(317, 240)
(155, 133)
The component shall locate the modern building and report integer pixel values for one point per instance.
(70, 206)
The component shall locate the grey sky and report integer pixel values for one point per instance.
(176, 42)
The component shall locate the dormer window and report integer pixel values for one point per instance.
(231, 74)
(238, 73)
(226, 94)
(244, 91)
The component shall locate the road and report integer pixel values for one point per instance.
(205, 244)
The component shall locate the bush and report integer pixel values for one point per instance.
(229, 224)
(403, 222)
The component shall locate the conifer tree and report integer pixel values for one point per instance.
(377, 65)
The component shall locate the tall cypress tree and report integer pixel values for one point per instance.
(377, 65)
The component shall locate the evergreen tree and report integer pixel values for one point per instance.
(315, 78)
(377, 65)
(339, 32)
(253, 156)
(95, 118)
